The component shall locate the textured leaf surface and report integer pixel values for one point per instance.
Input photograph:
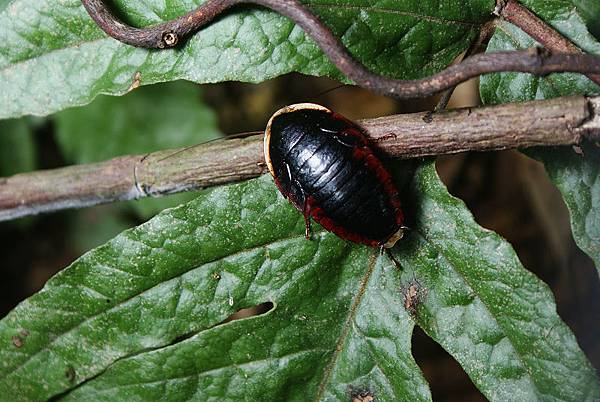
(492, 315)
(517, 87)
(141, 317)
(52, 55)
(155, 285)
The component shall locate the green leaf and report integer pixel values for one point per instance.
(590, 11)
(17, 148)
(148, 119)
(53, 56)
(575, 177)
(156, 284)
(492, 315)
(578, 179)
(142, 316)
(517, 87)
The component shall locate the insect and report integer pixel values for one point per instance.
(323, 164)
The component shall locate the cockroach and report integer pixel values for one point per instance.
(323, 164)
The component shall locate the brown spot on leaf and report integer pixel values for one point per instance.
(137, 79)
(17, 341)
(70, 374)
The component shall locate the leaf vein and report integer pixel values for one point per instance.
(526, 367)
(348, 324)
(121, 303)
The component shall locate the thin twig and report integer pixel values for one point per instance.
(539, 30)
(171, 33)
(486, 32)
(561, 121)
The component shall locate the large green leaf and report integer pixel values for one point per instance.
(575, 176)
(495, 317)
(53, 56)
(141, 317)
(156, 284)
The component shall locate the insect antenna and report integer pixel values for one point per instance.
(320, 95)
(232, 136)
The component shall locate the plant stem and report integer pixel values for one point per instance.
(169, 34)
(561, 121)
(539, 30)
(486, 32)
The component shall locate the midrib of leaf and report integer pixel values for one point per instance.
(346, 328)
(218, 369)
(121, 303)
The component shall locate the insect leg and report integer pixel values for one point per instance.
(305, 211)
(396, 263)
(302, 202)
(307, 223)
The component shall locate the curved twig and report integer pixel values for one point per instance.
(168, 34)
(539, 30)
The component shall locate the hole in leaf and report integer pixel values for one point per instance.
(447, 379)
(259, 309)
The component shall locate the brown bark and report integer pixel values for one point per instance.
(172, 33)
(539, 30)
(562, 121)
